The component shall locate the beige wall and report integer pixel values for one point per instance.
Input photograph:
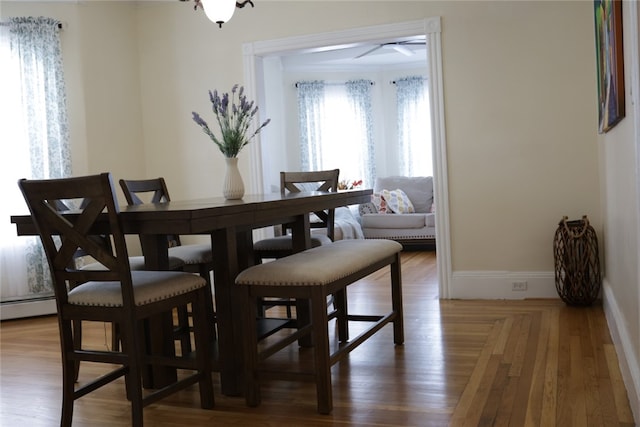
(109, 46)
(521, 118)
(520, 105)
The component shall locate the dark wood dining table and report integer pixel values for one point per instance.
(230, 223)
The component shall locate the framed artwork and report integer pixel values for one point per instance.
(609, 57)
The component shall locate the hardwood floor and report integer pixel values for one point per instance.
(476, 363)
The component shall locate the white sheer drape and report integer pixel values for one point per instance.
(414, 127)
(361, 140)
(310, 118)
(35, 142)
(13, 163)
(335, 128)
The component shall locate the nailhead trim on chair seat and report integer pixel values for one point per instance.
(321, 265)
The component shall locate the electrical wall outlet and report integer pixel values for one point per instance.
(519, 286)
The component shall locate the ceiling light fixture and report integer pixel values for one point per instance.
(219, 11)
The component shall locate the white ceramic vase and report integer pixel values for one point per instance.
(233, 187)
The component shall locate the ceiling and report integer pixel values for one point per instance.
(380, 55)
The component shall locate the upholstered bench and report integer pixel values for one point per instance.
(313, 275)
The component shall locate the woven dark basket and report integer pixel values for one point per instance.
(577, 263)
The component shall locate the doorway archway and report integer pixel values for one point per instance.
(254, 54)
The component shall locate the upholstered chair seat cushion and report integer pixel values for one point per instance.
(284, 243)
(192, 254)
(148, 287)
(137, 263)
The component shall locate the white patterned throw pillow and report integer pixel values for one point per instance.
(397, 201)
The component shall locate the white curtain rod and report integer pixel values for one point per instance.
(394, 82)
(5, 23)
(334, 84)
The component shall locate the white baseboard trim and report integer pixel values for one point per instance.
(22, 309)
(628, 360)
(499, 285)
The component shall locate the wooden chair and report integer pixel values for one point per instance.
(114, 294)
(196, 258)
(282, 244)
(295, 182)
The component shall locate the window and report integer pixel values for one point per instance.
(34, 135)
(335, 128)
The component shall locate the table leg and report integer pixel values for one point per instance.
(225, 258)
(301, 240)
(233, 252)
(155, 251)
(159, 329)
(301, 233)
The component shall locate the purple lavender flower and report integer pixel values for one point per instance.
(234, 121)
(198, 119)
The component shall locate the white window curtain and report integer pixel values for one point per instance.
(361, 139)
(35, 143)
(310, 117)
(335, 128)
(414, 127)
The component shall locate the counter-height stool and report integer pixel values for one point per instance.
(296, 182)
(114, 294)
(196, 258)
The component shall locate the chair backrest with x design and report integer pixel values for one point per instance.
(142, 191)
(324, 180)
(65, 232)
(134, 189)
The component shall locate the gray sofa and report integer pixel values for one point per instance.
(408, 228)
